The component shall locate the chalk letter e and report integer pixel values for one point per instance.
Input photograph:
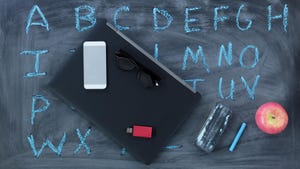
(29, 20)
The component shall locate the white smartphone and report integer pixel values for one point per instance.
(94, 65)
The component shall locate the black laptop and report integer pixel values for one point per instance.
(126, 102)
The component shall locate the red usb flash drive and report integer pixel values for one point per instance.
(140, 131)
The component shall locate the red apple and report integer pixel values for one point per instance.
(271, 118)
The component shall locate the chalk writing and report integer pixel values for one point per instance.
(89, 17)
(195, 57)
(217, 18)
(29, 20)
(39, 110)
(119, 27)
(82, 141)
(190, 20)
(284, 17)
(155, 21)
(37, 54)
(251, 91)
(238, 22)
(48, 143)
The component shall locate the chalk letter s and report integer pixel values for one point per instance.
(39, 110)
(89, 17)
(119, 27)
(155, 21)
(29, 20)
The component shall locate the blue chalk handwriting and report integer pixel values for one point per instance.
(284, 17)
(82, 141)
(39, 110)
(123, 151)
(251, 91)
(155, 20)
(219, 19)
(89, 17)
(190, 20)
(232, 89)
(173, 147)
(72, 50)
(227, 54)
(195, 58)
(37, 54)
(194, 81)
(156, 51)
(255, 60)
(48, 143)
(29, 20)
(119, 27)
(238, 22)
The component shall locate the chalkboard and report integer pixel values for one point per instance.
(173, 31)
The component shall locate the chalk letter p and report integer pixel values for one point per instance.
(40, 109)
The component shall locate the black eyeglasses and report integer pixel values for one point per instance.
(126, 63)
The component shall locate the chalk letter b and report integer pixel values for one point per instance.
(29, 20)
(155, 21)
(39, 110)
(89, 17)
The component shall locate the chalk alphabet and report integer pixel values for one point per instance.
(284, 17)
(156, 51)
(190, 20)
(232, 89)
(37, 54)
(155, 20)
(29, 20)
(256, 59)
(195, 57)
(251, 91)
(217, 18)
(82, 141)
(48, 143)
(89, 17)
(116, 14)
(194, 81)
(238, 21)
(227, 55)
(35, 98)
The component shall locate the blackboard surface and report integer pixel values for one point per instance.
(277, 67)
